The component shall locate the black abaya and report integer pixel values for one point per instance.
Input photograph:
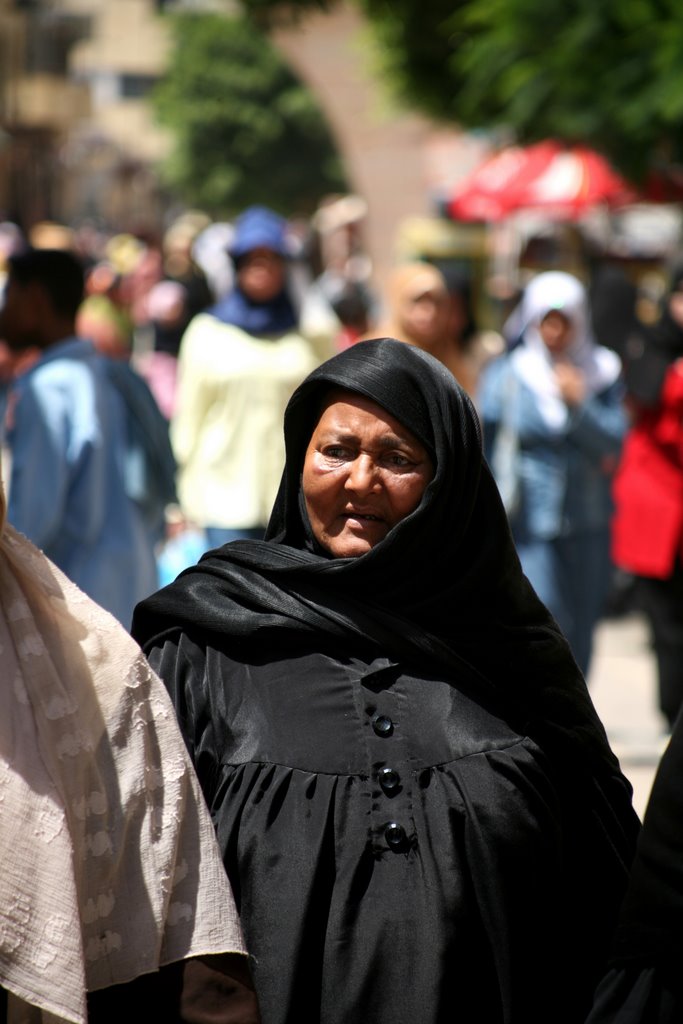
(493, 897)
(397, 851)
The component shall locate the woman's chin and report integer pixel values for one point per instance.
(350, 545)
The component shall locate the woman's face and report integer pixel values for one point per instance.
(425, 315)
(363, 473)
(261, 274)
(557, 332)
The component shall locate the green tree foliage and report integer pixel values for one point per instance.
(245, 129)
(608, 73)
(416, 47)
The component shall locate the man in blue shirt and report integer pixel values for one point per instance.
(67, 430)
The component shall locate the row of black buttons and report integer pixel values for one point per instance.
(389, 780)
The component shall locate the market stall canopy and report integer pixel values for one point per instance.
(563, 181)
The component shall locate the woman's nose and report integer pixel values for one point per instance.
(362, 475)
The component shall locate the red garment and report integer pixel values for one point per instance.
(647, 529)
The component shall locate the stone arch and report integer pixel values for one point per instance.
(383, 149)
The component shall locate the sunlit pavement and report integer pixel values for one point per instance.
(622, 683)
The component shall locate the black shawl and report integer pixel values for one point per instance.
(644, 983)
(444, 589)
(651, 929)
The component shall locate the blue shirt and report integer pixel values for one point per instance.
(67, 440)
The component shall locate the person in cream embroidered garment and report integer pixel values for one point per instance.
(109, 863)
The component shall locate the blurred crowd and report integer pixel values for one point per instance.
(578, 398)
(144, 384)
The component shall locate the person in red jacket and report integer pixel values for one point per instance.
(647, 530)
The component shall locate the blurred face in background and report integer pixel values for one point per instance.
(420, 306)
(20, 315)
(557, 332)
(426, 315)
(676, 305)
(261, 274)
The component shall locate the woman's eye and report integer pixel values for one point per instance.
(335, 452)
(398, 460)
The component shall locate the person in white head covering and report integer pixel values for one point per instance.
(112, 890)
(554, 424)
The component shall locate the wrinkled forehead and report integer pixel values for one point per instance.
(342, 410)
(414, 416)
(411, 385)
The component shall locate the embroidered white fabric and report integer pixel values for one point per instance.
(110, 866)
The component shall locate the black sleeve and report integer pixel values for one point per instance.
(638, 995)
(644, 984)
(203, 990)
(181, 664)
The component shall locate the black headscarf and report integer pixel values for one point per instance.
(613, 301)
(650, 350)
(443, 590)
(667, 334)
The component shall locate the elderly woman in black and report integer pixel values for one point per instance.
(416, 802)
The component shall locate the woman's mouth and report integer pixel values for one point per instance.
(363, 517)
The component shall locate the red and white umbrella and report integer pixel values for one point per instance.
(563, 181)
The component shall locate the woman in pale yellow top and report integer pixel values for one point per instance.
(239, 362)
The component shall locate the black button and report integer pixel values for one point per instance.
(382, 725)
(394, 834)
(388, 778)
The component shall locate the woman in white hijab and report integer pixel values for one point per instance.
(554, 424)
(110, 877)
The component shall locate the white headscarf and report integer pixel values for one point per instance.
(532, 361)
(110, 867)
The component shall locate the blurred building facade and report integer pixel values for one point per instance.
(38, 104)
(78, 142)
(76, 136)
